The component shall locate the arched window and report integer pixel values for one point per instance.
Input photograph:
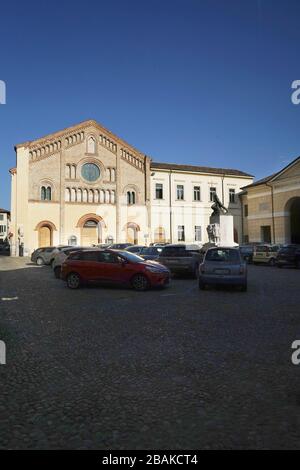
(43, 193)
(91, 145)
(46, 193)
(112, 197)
(73, 195)
(68, 171)
(73, 171)
(91, 195)
(79, 195)
(130, 198)
(68, 195)
(102, 195)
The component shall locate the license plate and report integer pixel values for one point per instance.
(221, 271)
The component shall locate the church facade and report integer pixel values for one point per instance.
(84, 185)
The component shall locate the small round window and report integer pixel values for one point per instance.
(90, 172)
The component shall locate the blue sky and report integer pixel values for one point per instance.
(203, 82)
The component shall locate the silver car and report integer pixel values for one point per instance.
(223, 265)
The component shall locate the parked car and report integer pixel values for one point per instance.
(135, 249)
(120, 246)
(45, 255)
(247, 252)
(42, 255)
(223, 266)
(61, 256)
(181, 258)
(288, 255)
(4, 249)
(102, 245)
(151, 252)
(159, 243)
(113, 267)
(266, 254)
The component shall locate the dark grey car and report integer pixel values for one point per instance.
(45, 255)
(181, 258)
(223, 265)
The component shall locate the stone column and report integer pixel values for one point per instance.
(148, 194)
(61, 227)
(118, 195)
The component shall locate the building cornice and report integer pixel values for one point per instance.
(200, 172)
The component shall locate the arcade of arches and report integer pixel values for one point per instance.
(293, 220)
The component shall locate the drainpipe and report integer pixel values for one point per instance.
(170, 207)
(242, 214)
(273, 219)
(223, 189)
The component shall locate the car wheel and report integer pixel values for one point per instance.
(40, 261)
(140, 282)
(272, 262)
(73, 281)
(201, 285)
(57, 272)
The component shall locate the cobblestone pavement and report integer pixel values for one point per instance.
(107, 368)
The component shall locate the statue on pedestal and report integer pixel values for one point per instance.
(213, 229)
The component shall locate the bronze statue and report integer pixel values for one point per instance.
(217, 207)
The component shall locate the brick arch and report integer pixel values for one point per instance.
(86, 217)
(132, 225)
(45, 223)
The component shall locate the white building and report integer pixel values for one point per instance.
(84, 185)
(4, 224)
(181, 199)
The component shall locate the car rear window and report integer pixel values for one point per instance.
(151, 251)
(84, 255)
(227, 255)
(174, 251)
(288, 249)
(261, 249)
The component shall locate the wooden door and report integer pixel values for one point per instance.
(89, 236)
(44, 236)
(132, 235)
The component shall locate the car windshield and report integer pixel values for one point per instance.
(226, 255)
(132, 257)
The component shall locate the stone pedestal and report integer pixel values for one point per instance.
(226, 231)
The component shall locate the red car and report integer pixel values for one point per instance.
(113, 266)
